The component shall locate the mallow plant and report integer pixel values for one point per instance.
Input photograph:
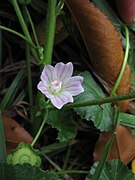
(59, 90)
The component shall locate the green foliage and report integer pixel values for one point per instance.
(131, 60)
(113, 170)
(132, 27)
(13, 90)
(127, 120)
(102, 116)
(55, 147)
(26, 171)
(63, 121)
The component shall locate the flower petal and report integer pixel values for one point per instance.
(63, 71)
(44, 90)
(46, 75)
(62, 99)
(73, 85)
(75, 90)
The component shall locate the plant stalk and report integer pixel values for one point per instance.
(17, 34)
(40, 129)
(100, 101)
(24, 27)
(32, 26)
(106, 151)
(50, 32)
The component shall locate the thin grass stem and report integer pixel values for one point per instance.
(24, 27)
(32, 25)
(18, 34)
(116, 85)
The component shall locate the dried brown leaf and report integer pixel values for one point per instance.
(14, 133)
(102, 41)
(123, 148)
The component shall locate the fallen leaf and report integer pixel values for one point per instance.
(14, 133)
(103, 43)
(123, 147)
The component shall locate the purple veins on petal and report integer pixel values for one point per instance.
(44, 90)
(75, 90)
(73, 80)
(58, 85)
(63, 71)
(73, 85)
(41, 87)
(46, 75)
(62, 99)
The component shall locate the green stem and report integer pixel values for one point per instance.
(56, 147)
(40, 129)
(29, 75)
(67, 158)
(103, 158)
(50, 32)
(18, 34)
(71, 172)
(106, 150)
(98, 101)
(32, 25)
(29, 78)
(24, 27)
(2, 141)
(123, 65)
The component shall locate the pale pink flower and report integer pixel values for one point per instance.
(58, 85)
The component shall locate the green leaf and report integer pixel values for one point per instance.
(102, 116)
(52, 148)
(127, 120)
(26, 171)
(132, 26)
(131, 61)
(113, 170)
(63, 121)
(13, 89)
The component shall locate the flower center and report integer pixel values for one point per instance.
(56, 86)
